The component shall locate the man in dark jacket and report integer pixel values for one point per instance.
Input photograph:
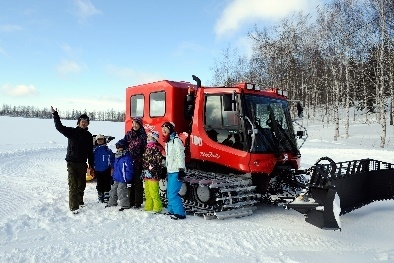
(79, 149)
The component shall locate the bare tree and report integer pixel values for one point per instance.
(343, 60)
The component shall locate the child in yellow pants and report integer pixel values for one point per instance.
(152, 167)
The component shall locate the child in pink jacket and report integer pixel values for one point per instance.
(152, 161)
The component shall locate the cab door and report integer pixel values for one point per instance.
(221, 136)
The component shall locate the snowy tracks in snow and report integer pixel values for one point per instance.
(23, 176)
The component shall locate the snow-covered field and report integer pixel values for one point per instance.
(36, 225)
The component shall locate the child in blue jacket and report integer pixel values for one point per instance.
(122, 175)
(103, 165)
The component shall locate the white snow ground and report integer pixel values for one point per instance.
(36, 225)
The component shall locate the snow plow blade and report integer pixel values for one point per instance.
(339, 188)
(322, 210)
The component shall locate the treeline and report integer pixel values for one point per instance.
(341, 58)
(45, 113)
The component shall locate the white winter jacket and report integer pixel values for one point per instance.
(175, 155)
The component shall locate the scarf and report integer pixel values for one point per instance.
(169, 137)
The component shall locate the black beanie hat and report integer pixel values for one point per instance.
(138, 120)
(120, 144)
(83, 116)
(169, 125)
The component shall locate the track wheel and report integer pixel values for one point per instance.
(183, 190)
(203, 194)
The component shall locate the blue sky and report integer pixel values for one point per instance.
(82, 54)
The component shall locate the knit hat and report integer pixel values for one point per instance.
(169, 125)
(138, 120)
(154, 134)
(120, 144)
(84, 117)
(100, 136)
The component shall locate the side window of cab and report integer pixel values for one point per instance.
(137, 105)
(157, 104)
(221, 126)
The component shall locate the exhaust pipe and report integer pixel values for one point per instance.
(196, 79)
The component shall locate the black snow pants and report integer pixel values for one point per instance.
(104, 180)
(76, 184)
(136, 191)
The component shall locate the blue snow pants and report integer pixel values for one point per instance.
(175, 205)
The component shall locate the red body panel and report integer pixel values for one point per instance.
(175, 94)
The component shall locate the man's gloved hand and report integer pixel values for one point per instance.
(128, 185)
(54, 111)
(181, 174)
(163, 173)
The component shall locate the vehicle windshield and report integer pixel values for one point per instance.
(271, 120)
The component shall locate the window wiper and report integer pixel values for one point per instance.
(281, 134)
(268, 142)
(292, 144)
(269, 145)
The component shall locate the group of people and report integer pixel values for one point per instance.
(139, 159)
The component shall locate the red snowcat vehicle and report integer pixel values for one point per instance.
(241, 148)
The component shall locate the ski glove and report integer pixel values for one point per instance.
(147, 174)
(128, 185)
(181, 174)
(163, 174)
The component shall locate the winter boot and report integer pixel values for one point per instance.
(100, 197)
(106, 197)
(176, 217)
